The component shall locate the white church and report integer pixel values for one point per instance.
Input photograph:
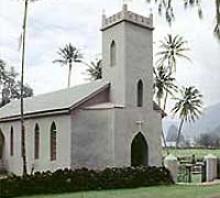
(111, 122)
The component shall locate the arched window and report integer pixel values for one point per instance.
(12, 141)
(140, 93)
(113, 53)
(36, 141)
(53, 141)
(2, 144)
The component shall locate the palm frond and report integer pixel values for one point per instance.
(189, 106)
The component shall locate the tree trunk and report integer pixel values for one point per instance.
(164, 139)
(165, 101)
(179, 132)
(162, 132)
(217, 11)
(69, 74)
(23, 150)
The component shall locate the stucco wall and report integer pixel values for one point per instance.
(103, 137)
(116, 73)
(138, 63)
(126, 128)
(91, 138)
(14, 163)
(134, 62)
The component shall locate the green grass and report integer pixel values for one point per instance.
(149, 192)
(199, 153)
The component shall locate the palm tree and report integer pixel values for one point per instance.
(217, 26)
(67, 56)
(26, 2)
(172, 48)
(164, 84)
(94, 69)
(188, 107)
(22, 84)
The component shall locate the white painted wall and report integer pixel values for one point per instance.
(14, 163)
(126, 128)
(91, 139)
(134, 48)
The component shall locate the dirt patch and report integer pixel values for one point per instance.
(215, 196)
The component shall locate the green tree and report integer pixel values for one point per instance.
(171, 49)
(24, 26)
(188, 107)
(166, 9)
(94, 69)
(217, 25)
(67, 56)
(2, 71)
(163, 85)
(10, 87)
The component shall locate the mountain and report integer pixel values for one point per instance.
(209, 122)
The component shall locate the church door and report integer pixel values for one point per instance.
(2, 144)
(139, 151)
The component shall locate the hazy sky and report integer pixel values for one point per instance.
(53, 23)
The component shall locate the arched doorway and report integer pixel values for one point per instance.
(139, 151)
(2, 144)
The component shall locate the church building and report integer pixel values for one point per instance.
(112, 122)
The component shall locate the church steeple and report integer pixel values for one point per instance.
(127, 56)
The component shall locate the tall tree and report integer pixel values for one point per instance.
(2, 71)
(94, 69)
(164, 84)
(67, 56)
(188, 107)
(23, 149)
(10, 87)
(26, 2)
(217, 26)
(166, 9)
(171, 49)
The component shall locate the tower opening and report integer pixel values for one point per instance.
(140, 93)
(113, 53)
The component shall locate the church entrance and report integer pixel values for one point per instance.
(2, 144)
(139, 151)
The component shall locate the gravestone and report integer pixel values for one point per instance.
(171, 164)
(211, 167)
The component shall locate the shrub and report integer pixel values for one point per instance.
(83, 179)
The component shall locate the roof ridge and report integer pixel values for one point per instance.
(65, 89)
(60, 99)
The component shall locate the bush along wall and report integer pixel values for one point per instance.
(83, 179)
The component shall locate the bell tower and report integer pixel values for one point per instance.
(127, 48)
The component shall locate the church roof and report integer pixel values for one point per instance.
(63, 99)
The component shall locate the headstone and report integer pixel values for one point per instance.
(171, 164)
(211, 167)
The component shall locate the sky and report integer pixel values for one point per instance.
(54, 23)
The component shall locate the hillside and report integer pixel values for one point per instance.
(209, 122)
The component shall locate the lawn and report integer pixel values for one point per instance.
(149, 192)
(199, 153)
